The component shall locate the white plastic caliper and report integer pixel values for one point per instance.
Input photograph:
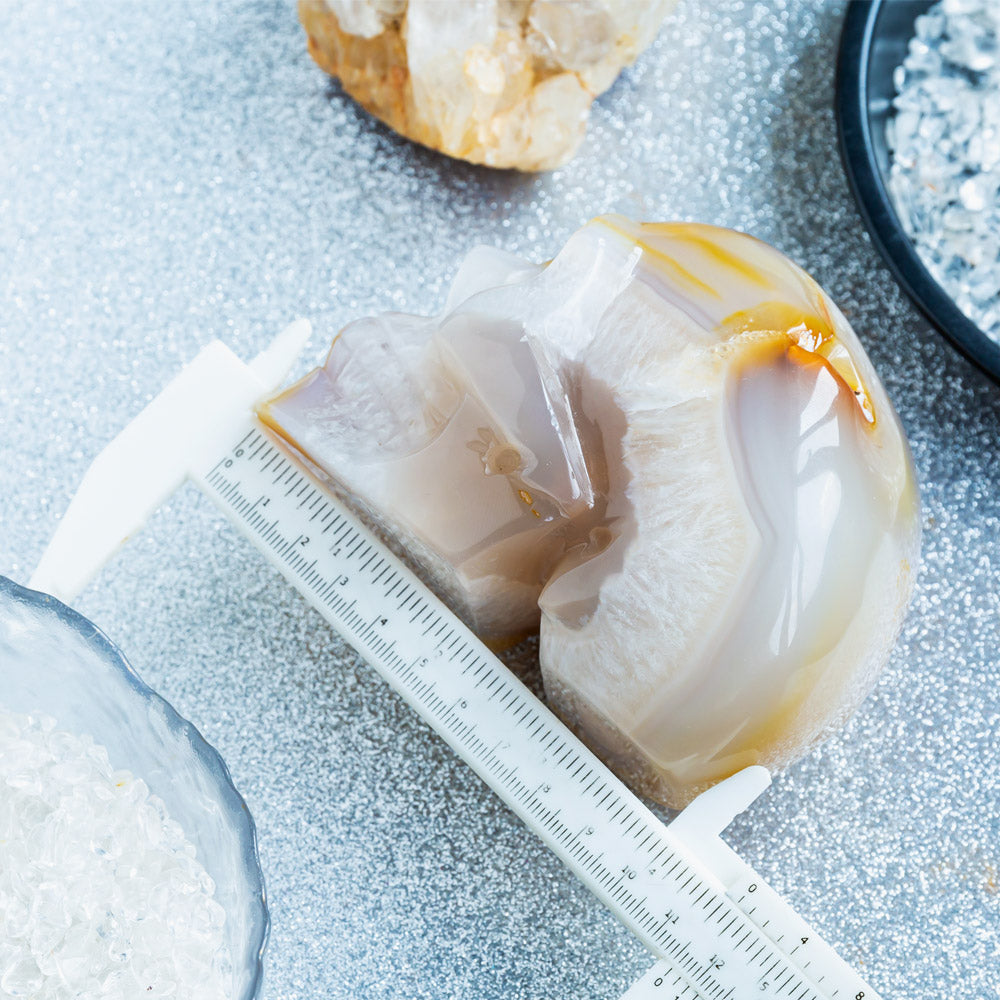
(719, 932)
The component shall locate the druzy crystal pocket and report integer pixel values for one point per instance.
(665, 448)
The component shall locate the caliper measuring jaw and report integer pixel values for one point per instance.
(193, 429)
(186, 425)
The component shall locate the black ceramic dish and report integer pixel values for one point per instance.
(873, 43)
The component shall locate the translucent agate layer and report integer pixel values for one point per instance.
(668, 448)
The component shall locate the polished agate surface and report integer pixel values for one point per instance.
(667, 450)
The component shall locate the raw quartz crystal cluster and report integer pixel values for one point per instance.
(506, 83)
(668, 449)
(101, 895)
(945, 143)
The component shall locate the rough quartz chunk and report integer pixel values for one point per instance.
(666, 447)
(506, 83)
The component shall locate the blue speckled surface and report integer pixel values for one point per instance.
(179, 171)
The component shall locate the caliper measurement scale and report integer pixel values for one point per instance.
(720, 932)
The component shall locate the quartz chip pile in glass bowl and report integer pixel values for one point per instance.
(918, 111)
(945, 143)
(128, 862)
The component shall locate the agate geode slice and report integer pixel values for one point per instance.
(506, 83)
(666, 445)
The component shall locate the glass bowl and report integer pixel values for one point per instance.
(874, 42)
(54, 662)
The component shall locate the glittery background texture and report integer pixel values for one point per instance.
(178, 171)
